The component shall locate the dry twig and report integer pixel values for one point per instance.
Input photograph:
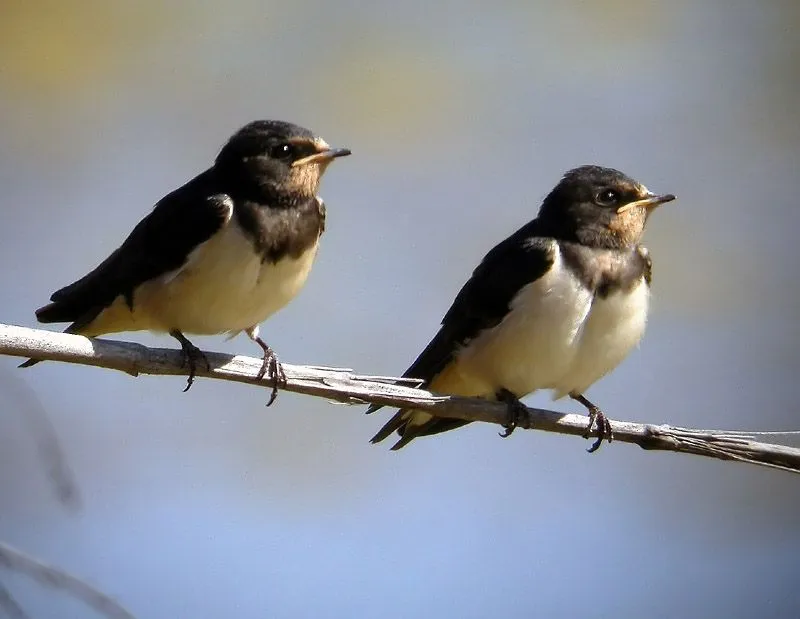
(50, 576)
(344, 385)
(10, 606)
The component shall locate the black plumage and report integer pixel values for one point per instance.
(219, 254)
(588, 229)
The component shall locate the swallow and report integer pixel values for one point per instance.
(555, 306)
(218, 255)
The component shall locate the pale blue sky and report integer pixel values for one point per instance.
(460, 118)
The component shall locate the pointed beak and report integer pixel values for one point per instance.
(324, 156)
(650, 202)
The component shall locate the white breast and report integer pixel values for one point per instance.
(556, 336)
(223, 287)
(536, 343)
(614, 326)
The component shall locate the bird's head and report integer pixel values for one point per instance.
(279, 158)
(600, 207)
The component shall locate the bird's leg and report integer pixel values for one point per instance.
(273, 369)
(191, 355)
(517, 412)
(596, 416)
(270, 366)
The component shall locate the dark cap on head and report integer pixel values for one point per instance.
(599, 207)
(277, 158)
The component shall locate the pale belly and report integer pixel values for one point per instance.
(556, 336)
(223, 287)
(614, 327)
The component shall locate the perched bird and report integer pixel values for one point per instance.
(221, 254)
(557, 305)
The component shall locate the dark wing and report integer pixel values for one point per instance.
(481, 304)
(485, 299)
(160, 243)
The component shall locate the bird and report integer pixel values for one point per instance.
(555, 306)
(220, 254)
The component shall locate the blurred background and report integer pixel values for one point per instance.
(461, 117)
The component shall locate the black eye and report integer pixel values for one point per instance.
(282, 151)
(607, 197)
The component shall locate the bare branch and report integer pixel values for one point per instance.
(10, 606)
(54, 577)
(345, 386)
(49, 447)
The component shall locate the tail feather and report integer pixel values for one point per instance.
(411, 424)
(78, 314)
(395, 423)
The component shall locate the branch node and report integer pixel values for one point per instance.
(658, 437)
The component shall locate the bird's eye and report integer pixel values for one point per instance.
(607, 197)
(282, 151)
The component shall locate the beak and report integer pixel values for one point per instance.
(650, 202)
(324, 156)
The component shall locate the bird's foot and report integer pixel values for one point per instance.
(191, 356)
(271, 368)
(517, 412)
(596, 419)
